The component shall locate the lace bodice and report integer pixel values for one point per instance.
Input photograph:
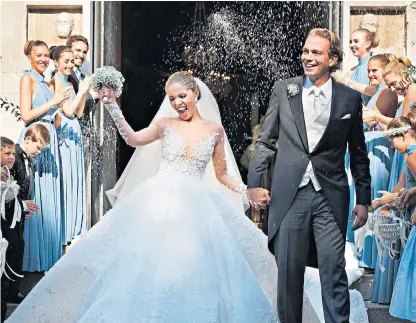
(176, 156)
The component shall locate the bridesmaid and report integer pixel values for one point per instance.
(404, 299)
(361, 43)
(398, 80)
(384, 104)
(73, 190)
(38, 104)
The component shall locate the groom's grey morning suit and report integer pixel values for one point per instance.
(310, 194)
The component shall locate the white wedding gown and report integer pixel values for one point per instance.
(172, 251)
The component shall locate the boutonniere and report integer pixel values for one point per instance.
(292, 89)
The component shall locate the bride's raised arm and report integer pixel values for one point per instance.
(132, 138)
(220, 166)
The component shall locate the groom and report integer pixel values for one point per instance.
(313, 119)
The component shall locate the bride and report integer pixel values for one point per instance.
(177, 246)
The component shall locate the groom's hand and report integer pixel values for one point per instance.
(258, 197)
(359, 215)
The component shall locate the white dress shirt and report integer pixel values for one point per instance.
(315, 121)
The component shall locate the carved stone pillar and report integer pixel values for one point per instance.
(107, 44)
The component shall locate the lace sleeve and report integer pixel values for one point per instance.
(220, 166)
(132, 138)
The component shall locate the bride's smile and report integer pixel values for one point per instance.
(183, 100)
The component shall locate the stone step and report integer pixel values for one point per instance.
(378, 313)
(364, 285)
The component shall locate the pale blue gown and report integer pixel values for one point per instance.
(403, 302)
(42, 232)
(380, 153)
(73, 189)
(360, 75)
(384, 280)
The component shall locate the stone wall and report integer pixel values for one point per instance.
(20, 21)
(397, 27)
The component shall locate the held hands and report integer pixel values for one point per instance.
(84, 85)
(61, 95)
(107, 92)
(359, 216)
(258, 197)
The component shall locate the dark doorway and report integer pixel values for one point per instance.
(150, 33)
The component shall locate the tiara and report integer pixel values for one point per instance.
(396, 131)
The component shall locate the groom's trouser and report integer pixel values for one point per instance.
(309, 214)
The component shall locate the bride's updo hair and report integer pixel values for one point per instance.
(185, 79)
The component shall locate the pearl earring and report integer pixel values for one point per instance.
(196, 100)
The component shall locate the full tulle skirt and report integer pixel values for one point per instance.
(172, 251)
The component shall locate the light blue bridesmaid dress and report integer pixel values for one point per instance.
(73, 190)
(403, 302)
(360, 75)
(380, 153)
(384, 280)
(42, 231)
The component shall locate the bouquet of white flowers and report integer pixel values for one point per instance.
(107, 75)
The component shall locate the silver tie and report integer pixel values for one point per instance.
(317, 104)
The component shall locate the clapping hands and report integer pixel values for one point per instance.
(258, 197)
(62, 95)
(84, 85)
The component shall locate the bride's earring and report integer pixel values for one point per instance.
(196, 100)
